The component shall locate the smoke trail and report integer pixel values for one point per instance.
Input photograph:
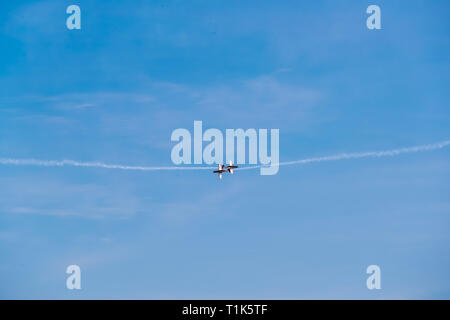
(342, 156)
(357, 155)
(72, 163)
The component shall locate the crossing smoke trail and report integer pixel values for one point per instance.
(342, 156)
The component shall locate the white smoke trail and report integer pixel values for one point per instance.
(369, 154)
(72, 163)
(342, 156)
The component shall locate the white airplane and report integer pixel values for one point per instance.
(221, 169)
(231, 167)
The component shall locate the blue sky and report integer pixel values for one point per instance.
(116, 89)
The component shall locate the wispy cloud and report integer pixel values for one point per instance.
(262, 100)
(50, 197)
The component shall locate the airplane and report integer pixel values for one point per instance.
(231, 167)
(222, 169)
